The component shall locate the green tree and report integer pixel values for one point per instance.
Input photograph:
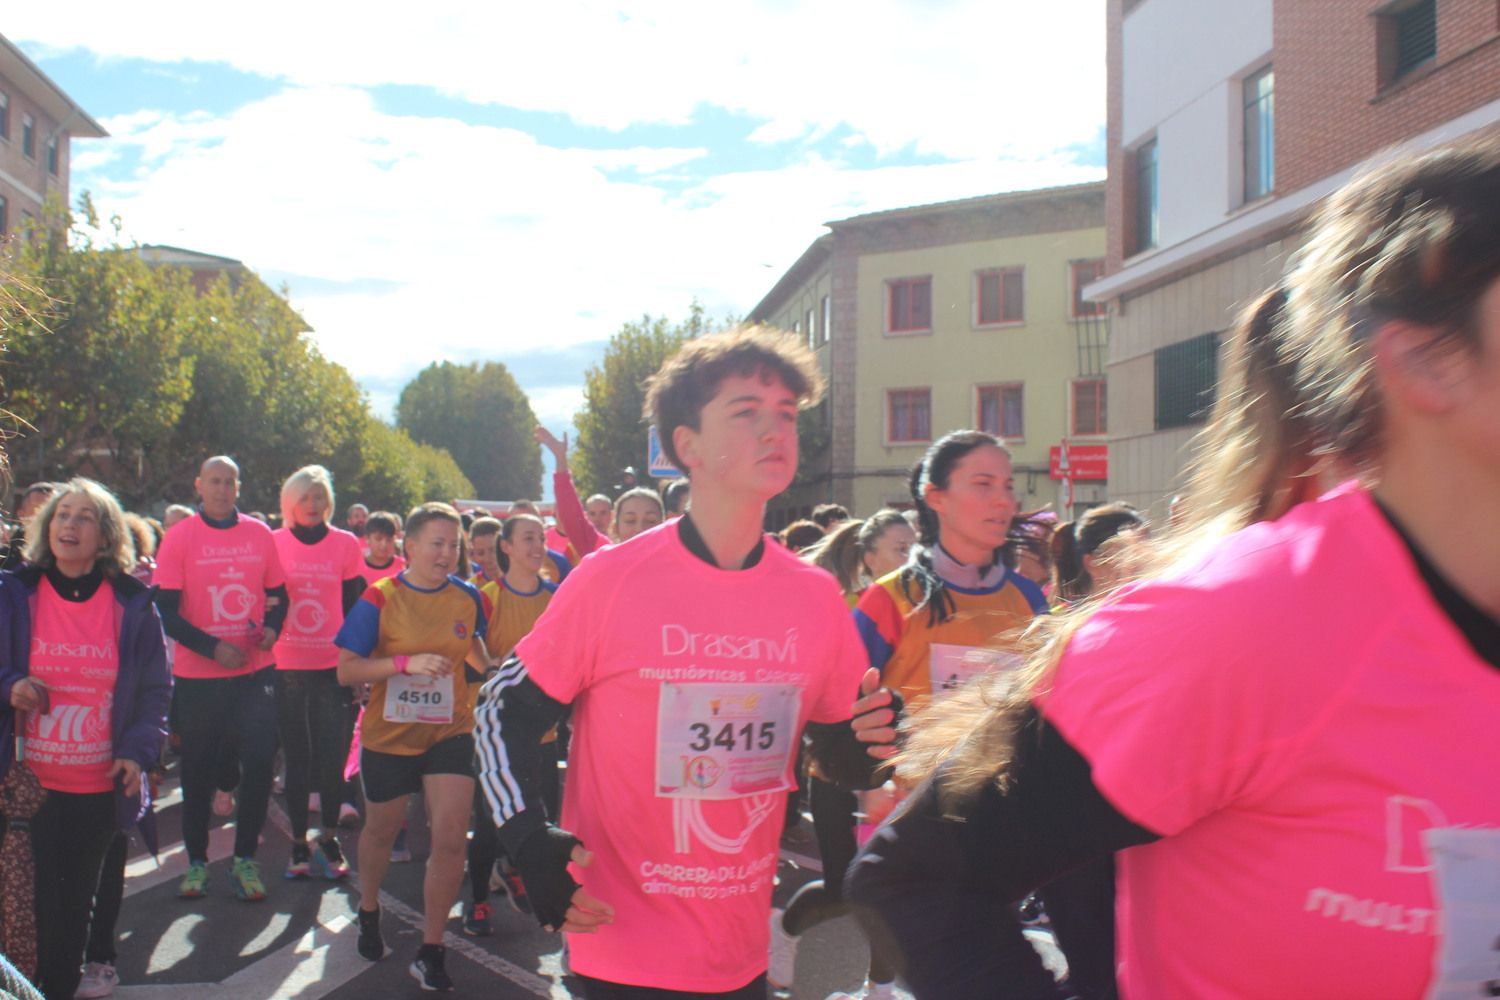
(611, 428)
(480, 416)
(396, 473)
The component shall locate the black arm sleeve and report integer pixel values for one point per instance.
(353, 590)
(169, 604)
(929, 886)
(841, 758)
(276, 607)
(510, 719)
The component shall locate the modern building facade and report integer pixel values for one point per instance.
(949, 316)
(1228, 125)
(38, 123)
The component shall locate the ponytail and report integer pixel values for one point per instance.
(840, 554)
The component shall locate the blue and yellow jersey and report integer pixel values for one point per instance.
(899, 640)
(395, 618)
(556, 567)
(512, 614)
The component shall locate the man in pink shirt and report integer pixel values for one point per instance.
(223, 599)
(687, 711)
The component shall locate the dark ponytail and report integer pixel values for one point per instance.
(920, 583)
(1072, 541)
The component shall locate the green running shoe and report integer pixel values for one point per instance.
(244, 875)
(194, 884)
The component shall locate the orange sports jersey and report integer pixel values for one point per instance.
(913, 656)
(395, 618)
(512, 614)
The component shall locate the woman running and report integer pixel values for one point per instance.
(1275, 730)
(410, 636)
(516, 600)
(324, 569)
(84, 660)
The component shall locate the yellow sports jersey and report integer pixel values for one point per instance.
(394, 618)
(512, 615)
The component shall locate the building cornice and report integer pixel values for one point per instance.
(38, 86)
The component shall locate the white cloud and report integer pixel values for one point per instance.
(960, 78)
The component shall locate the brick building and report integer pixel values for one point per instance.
(38, 123)
(1227, 125)
(942, 317)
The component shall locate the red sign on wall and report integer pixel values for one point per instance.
(1085, 461)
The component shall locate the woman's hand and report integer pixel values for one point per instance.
(429, 665)
(559, 449)
(28, 695)
(127, 774)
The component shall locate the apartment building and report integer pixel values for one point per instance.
(1228, 125)
(38, 123)
(943, 317)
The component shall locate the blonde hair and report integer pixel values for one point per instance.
(116, 552)
(1416, 240)
(299, 484)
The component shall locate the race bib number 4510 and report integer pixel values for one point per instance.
(725, 741)
(411, 698)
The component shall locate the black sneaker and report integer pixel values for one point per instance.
(371, 946)
(428, 969)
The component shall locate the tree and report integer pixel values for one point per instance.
(397, 473)
(611, 427)
(478, 413)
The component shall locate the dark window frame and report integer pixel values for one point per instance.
(1258, 133)
(1186, 380)
(1147, 196)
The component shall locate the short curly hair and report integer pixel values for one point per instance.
(677, 393)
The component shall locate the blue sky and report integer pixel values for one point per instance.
(471, 181)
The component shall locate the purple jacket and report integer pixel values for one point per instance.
(143, 687)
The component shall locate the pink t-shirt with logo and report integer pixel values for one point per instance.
(75, 653)
(1297, 715)
(690, 686)
(315, 576)
(223, 574)
(372, 575)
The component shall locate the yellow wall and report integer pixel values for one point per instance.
(957, 357)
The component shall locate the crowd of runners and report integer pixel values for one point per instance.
(1245, 753)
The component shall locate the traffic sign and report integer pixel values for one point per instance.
(1083, 461)
(658, 465)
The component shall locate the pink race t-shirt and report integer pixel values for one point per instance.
(75, 653)
(315, 576)
(1306, 728)
(223, 574)
(373, 575)
(690, 687)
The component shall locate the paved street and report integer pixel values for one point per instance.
(299, 943)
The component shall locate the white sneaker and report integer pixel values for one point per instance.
(783, 954)
(870, 991)
(99, 980)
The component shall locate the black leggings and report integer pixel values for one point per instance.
(484, 844)
(69, 838)
(107, 899)
(1081, 907)
(312, 713)
(239, 710)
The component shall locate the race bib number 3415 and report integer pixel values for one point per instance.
(725, 741)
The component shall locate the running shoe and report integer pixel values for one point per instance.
(223, 803)
(870, 991)
(99, 980)
(328, 859)
(300, 865)
(428, 969)
(400, 853)
(244, 875)
(783, 966)
(194, 884)
(477, 920)
(515, 889)
(371, 945)
(348, 816)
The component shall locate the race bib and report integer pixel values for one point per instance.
(725, 741)
(954, 666)
(1466, 885)
(411, 698)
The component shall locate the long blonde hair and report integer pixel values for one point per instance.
(1417, 239)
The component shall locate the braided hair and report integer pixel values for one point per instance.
(920, 583)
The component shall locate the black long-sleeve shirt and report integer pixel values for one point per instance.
(179, 629)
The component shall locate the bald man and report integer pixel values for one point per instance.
(223, 598)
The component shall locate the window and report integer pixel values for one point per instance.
(999, 296)
(1416, 36)
(52, 156)
(1185, 376)
(1081, 274)
(827, 331)
(797, 327)
(1260, 134)
(1147, 198)
(28, 136)
(909, 309)
(812, 329)
(1089, 410)
(908, 415)
(1002, 410)
(5, 117)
